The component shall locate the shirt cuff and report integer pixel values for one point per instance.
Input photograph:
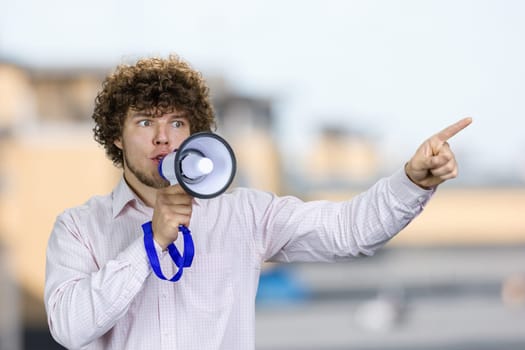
(407, 191)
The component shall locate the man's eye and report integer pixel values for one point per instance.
(144, 122)
(177, 124)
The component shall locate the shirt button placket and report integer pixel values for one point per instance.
(166, 305)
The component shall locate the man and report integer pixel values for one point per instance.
(100, 290)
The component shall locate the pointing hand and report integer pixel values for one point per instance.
(434, 162)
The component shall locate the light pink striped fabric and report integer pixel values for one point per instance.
(101, 293)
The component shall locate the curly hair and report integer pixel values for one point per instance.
(154, 85)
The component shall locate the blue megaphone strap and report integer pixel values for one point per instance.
(180, 261)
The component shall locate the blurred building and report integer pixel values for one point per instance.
(341, 158)
(49, 162)
(16, 96)
(10, 317)
(248, 124)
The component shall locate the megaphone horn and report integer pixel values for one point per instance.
(204, 165)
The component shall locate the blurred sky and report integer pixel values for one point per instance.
(399, 70)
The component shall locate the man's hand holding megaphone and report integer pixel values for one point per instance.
(173, 208)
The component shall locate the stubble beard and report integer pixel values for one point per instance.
(144, 178)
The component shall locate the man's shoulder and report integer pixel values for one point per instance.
(245, 192)
(95, 206)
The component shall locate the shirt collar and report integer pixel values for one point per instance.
(123, 196)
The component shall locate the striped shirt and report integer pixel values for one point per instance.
(100, 291)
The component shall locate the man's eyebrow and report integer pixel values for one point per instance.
(140, 115)
(144, 114)
(179, 117)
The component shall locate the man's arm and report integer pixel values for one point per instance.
(83, 301)
(326, 231)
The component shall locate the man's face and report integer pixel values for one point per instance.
(145, 140)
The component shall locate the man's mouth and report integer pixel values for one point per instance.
(159, 158)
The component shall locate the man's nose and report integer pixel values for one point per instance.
(161, 136)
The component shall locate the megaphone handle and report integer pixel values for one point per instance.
(180, 261)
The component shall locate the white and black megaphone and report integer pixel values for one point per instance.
(204, 165)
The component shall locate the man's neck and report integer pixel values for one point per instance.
(147, 194)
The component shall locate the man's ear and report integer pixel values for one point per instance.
(118, 143)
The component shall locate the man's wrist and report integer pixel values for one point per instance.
(163, 245)
(407, 172)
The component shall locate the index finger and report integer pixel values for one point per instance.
(453, 129)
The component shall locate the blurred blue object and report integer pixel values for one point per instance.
(280, 286)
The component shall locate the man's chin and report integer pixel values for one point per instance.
(155, 182)
(159, 183)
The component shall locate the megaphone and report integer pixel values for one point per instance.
(204, 165)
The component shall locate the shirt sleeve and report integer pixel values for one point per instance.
(324, 231)
(83, 300)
